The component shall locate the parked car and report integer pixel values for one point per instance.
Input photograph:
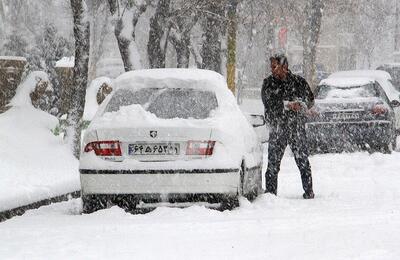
(320, 70)
(351, 112)
(394, 70)
(173, 137)
(253, 109)
(384, 79)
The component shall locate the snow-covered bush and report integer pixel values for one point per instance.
(36, 90)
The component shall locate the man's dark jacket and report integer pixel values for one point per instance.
(275, 91)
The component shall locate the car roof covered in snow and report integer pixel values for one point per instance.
(376, 74)
(172, 78)
(346, 81)
(390, 65)
(382, 77)
(176, 78)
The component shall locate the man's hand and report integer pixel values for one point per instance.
(294, 106)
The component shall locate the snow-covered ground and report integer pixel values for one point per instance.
(34, 164)
(355, 215)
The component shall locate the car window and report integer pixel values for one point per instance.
(364, 91)
(382, 93)
(167, 102)
(395, 84)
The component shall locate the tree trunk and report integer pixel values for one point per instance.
(212, 26)
(397, 28)
(123, 44)
(183, 51)
(310, 39)
(127, 40)
(82, 48)
(2, 21)
(179, 36)
(247, 50)
(231, 61)
(99, 25)
(156, 47)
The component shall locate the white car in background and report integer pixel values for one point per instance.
(384, 80)
(173, 137)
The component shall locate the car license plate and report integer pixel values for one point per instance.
(345, 116)
(154, 149)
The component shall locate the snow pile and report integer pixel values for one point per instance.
(133, 113)
(18, 58)
(346, 82)
(91, 105)
(136, 116)
(173, 78)
(22, 96)
(34, 163)
(66, 62)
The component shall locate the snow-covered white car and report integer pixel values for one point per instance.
(171, 137)
(385, 81)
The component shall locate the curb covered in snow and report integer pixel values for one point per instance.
(8, 214)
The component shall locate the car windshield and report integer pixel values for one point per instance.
(167, 102)
(364, 91)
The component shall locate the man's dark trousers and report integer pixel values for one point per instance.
(286, 132)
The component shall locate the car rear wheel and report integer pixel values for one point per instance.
(92, 203)
(394, 143)
(230, 203)
(259, 182)
(390, 147)
(381, 148)
(252, 192)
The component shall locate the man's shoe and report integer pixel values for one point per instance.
(308, 195)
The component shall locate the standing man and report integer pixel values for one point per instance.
(286, 98)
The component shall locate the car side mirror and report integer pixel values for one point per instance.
(257, 120)
(395, 103)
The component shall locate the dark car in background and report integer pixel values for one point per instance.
(320, 70)
(351, 113)
(394, 70)
(383, 79)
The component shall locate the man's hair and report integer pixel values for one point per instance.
(281, 58)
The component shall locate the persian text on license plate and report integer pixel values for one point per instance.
(154, 149)
(345, 116)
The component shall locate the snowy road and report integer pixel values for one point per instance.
(356, 215)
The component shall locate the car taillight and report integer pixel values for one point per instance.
(312, 113)
(200, 147)
(104, 148)
(379, 110)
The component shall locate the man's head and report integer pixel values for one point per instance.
(279, 66)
